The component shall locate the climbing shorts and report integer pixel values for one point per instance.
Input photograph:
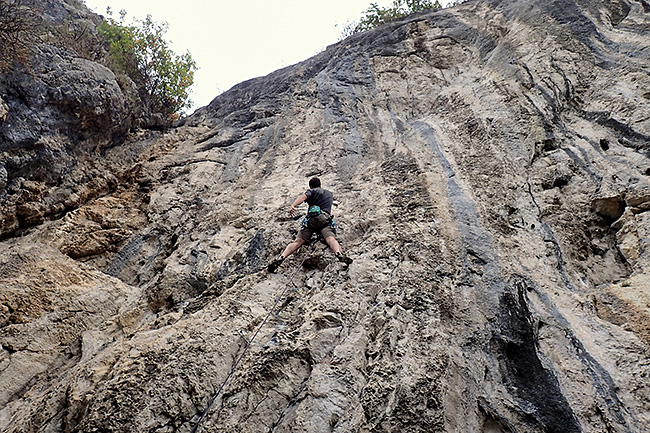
(320, 224)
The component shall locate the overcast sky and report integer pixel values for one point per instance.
(232, 41)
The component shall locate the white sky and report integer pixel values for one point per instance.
(233, 41)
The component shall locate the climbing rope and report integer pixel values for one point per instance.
(249, 342)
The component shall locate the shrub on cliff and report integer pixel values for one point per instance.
(376, 16)
(141, 52)
(18, 24)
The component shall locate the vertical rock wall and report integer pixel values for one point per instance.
(490, 168)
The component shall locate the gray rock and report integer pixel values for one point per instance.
(490, 164)
(58, 113)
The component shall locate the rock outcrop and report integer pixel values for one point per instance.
(491, 168)
(61, 109)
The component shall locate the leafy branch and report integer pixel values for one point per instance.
(141, 51)
(375, 16)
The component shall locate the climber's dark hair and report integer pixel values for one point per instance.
(314, 182)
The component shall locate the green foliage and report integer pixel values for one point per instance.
(376, 16)
(140, 51)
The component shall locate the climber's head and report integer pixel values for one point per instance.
(314, 182)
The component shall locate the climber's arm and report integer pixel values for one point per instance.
(301, 199)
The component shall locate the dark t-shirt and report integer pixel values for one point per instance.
(321, 198)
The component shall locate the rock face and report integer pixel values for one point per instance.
(491, 168)
(60, 110)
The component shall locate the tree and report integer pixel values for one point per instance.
(375, 16)
(141, 52)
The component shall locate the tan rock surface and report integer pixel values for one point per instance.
(490, 166)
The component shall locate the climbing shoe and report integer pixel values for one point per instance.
(275, 264)
(343, 258)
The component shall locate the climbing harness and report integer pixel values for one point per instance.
(250, 341)
(314, 221)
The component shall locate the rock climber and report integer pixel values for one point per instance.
(318, 220)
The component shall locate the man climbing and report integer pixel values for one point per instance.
(318, 220)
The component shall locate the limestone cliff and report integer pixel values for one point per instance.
(491, 168)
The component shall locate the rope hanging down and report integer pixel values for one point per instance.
(249, 342)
